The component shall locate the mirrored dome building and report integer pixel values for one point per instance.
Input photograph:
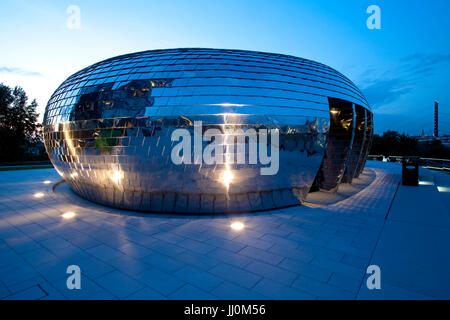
(109, 130)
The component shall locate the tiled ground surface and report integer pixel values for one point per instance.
(294, 253)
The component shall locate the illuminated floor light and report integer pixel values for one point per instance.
(38, 195)
(237, 226)
(443, 189)
(47, 182)
(426, 183)
(68, 215)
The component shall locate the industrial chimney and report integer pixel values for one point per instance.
(436, 119)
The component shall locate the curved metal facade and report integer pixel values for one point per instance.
(108, 128)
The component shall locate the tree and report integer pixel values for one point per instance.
(391, 143)
(19, 129)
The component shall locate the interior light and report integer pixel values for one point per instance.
(237, 226)
(38, 195)
(47, 182)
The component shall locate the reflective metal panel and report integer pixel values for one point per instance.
(108, 128)
(367, 143)
(338, 147)
(358, 140)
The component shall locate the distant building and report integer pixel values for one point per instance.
(445, 139)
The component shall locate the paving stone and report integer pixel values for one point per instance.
(93, 267)
(199, 278)
(261, 255)
(321, 289)
(162, 261)
(161, 281)
(134, 250)
(4, 290)
(236, 275)
(271, 272)
(306, 269)
(200, 261)
(350, 284)
(55, 243)
(38, 256)
(23, 244)
(354, 261)
(147, 294)
(129, 265)
(105, 253)
(189, 292)
(226, 244)
(391, 292)
(168, 237)
(292, 253)
(85, 242)
(196, 246)
(33, 293)
(253, 242)
(53, 270)
(87, 291)
(277, 291)
(119, 284)
(166, 248)
(337, 267)
(231, 291)
(102, 295)
(229, 257)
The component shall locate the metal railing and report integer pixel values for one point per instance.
(429, 163)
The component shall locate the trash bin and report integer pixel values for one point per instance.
(410, 171)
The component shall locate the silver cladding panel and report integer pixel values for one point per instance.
(107, 128)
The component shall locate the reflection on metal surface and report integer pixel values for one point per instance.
(367, 143)
(358, 139)
(107, 128)
(339, 145)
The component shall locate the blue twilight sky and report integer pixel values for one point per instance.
(402, 68)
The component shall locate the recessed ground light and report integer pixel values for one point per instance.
(47, 182)
(443, 189)
(68, 215)
(38, 195)
(237, 226)
(426, 183)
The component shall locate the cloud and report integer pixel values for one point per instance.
(19, 71)
(428, 59)
(381, 88)
(386, 91)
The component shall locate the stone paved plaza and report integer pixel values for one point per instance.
(314, 251)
